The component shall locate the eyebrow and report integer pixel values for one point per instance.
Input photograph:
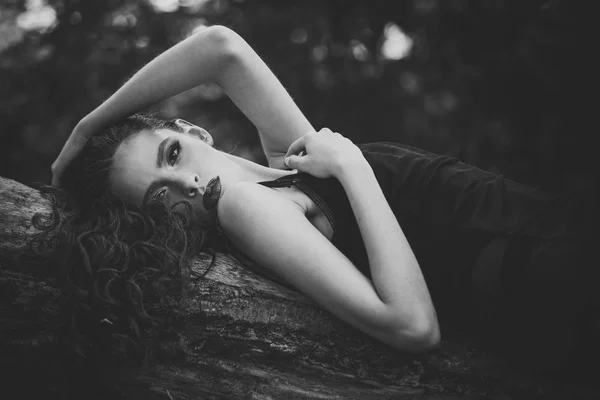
(159, 153)
(159, 161)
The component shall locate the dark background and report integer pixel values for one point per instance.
(496, 83)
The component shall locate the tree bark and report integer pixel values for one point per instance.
(255, 340)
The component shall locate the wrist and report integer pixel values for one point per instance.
(85, 123)
(92, 122)
(353, 169)
(84, 130)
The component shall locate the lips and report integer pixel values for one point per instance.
(211, 196)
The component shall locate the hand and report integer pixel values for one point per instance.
(72, 147)
(327, 154)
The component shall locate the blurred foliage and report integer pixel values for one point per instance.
(489, 81)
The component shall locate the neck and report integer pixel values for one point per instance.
(254, 172)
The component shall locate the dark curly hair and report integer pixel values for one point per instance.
(120, 266)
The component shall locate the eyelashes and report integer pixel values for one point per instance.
(174, 153)
(173, 156)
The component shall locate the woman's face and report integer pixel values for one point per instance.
(167, 165)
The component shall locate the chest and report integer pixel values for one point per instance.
(311, 210)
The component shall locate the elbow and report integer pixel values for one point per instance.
(225, 42)
(420, 336)
(426, 338)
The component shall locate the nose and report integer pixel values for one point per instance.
(190, 185)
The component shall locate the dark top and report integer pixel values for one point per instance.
(498, 256)
(450, 213)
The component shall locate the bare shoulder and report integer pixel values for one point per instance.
(247, 206)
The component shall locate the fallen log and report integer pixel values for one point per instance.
(255, 340)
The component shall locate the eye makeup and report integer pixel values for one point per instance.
(172, 156)
(173, 152)
(161, 194)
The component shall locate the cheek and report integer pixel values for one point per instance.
(128, 188)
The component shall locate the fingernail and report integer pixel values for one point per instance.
(286, 161)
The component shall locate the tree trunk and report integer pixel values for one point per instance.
(255, 340)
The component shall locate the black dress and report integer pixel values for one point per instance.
(510, 254)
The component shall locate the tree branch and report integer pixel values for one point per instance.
(255, 339)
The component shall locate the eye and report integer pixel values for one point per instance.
(160, 195)
(173, 153)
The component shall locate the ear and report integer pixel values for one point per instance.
(195, 130)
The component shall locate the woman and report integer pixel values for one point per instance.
(382, 221)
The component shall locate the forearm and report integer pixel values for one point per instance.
(202, 57)
(395, 271)
(216, 54)
(257, 92)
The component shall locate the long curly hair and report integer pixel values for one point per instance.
(120, 266)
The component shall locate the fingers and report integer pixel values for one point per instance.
(295, 156)
(297, 146)
(300, 144)
(55, 182)
(57, 168)
(329, 132)
(72, 147)
(294, 161)
(56, 174)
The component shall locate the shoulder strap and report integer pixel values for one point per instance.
(286, 180)
(301, 181)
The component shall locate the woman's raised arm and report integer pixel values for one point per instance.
(214, 54)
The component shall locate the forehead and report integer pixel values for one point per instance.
(134, 165)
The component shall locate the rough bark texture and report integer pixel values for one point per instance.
(256, 340)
